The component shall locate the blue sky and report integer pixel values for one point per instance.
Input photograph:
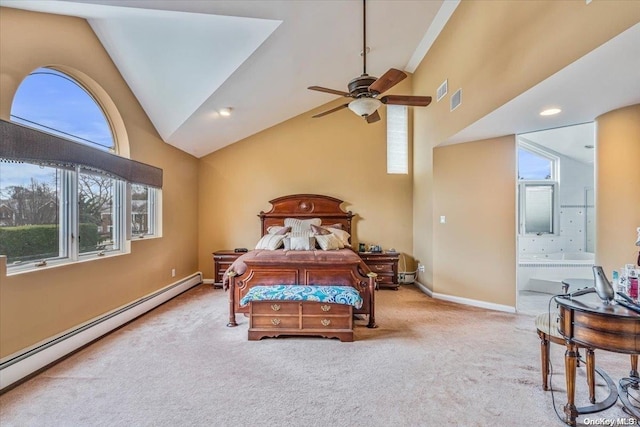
(49, 98)
(531, 166)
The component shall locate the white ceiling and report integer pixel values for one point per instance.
(186, 59)
(576, 141)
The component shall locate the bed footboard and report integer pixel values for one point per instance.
(325, 273)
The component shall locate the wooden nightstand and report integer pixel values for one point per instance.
(385, 264)
(221, 261)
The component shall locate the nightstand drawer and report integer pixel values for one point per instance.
(379, 268)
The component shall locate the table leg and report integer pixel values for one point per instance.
(570, 359)
(591, 373)
(634, 369)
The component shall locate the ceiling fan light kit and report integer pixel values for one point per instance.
(365, 89)
(364, 106)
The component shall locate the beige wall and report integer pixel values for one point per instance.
(617, 187)
(338, 155)
(494, 51)
(37, 305)
(474, 188)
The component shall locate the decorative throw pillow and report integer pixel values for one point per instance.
(341, 234)
(270, 241)
(278, 229)
(298, 225)
(319, 230)
(329, 242)
(299, 243)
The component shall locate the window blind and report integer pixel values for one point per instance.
(23, 144)
(397, 139)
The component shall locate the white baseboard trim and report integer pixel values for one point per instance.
(466, 301)
(24, 363)
(208, 281)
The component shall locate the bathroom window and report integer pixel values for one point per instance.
(538, 208)
(538, 191)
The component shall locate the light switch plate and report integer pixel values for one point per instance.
(443, 219)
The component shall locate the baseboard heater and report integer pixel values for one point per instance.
(19, 366)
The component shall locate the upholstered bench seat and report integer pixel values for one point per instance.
(299, 310)
(347, 295)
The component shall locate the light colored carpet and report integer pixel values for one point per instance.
(429, 363)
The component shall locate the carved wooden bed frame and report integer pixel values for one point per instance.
(321, 272)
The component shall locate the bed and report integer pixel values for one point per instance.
(313, 267)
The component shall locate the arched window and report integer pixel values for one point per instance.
(54, 211)
(53, 102)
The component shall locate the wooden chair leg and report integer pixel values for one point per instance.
(544, 359)
(634, 369)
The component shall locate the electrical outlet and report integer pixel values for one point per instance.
(421, 268)
(173, 272)
(443, 219)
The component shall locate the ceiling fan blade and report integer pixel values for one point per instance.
(372, 118)
(324, 113)
(327, 90)
(387, 81)
(414, 101)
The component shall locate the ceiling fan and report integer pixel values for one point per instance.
(365, 89)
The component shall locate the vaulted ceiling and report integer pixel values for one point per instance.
(185, 60)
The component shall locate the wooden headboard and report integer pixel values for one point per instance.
(306, 206)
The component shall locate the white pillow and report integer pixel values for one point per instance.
(299, 243)
(270, 241)
(342, 235)
(298, 225)
(328, 242)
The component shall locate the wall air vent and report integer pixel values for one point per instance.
(456, 99)
(442, 91)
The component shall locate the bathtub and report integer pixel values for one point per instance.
(544, 272)
(558, 256)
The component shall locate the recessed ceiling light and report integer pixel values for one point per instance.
(225, 112)
(550, 111)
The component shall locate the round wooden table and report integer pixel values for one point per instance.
(587, 322)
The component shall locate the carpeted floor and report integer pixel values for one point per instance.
(429, 363)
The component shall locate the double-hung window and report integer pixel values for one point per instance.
(538, 191)
(63, 197)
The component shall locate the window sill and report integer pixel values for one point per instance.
(143, 238)
(29, 268)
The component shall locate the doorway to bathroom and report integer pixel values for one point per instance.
(556, 212)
